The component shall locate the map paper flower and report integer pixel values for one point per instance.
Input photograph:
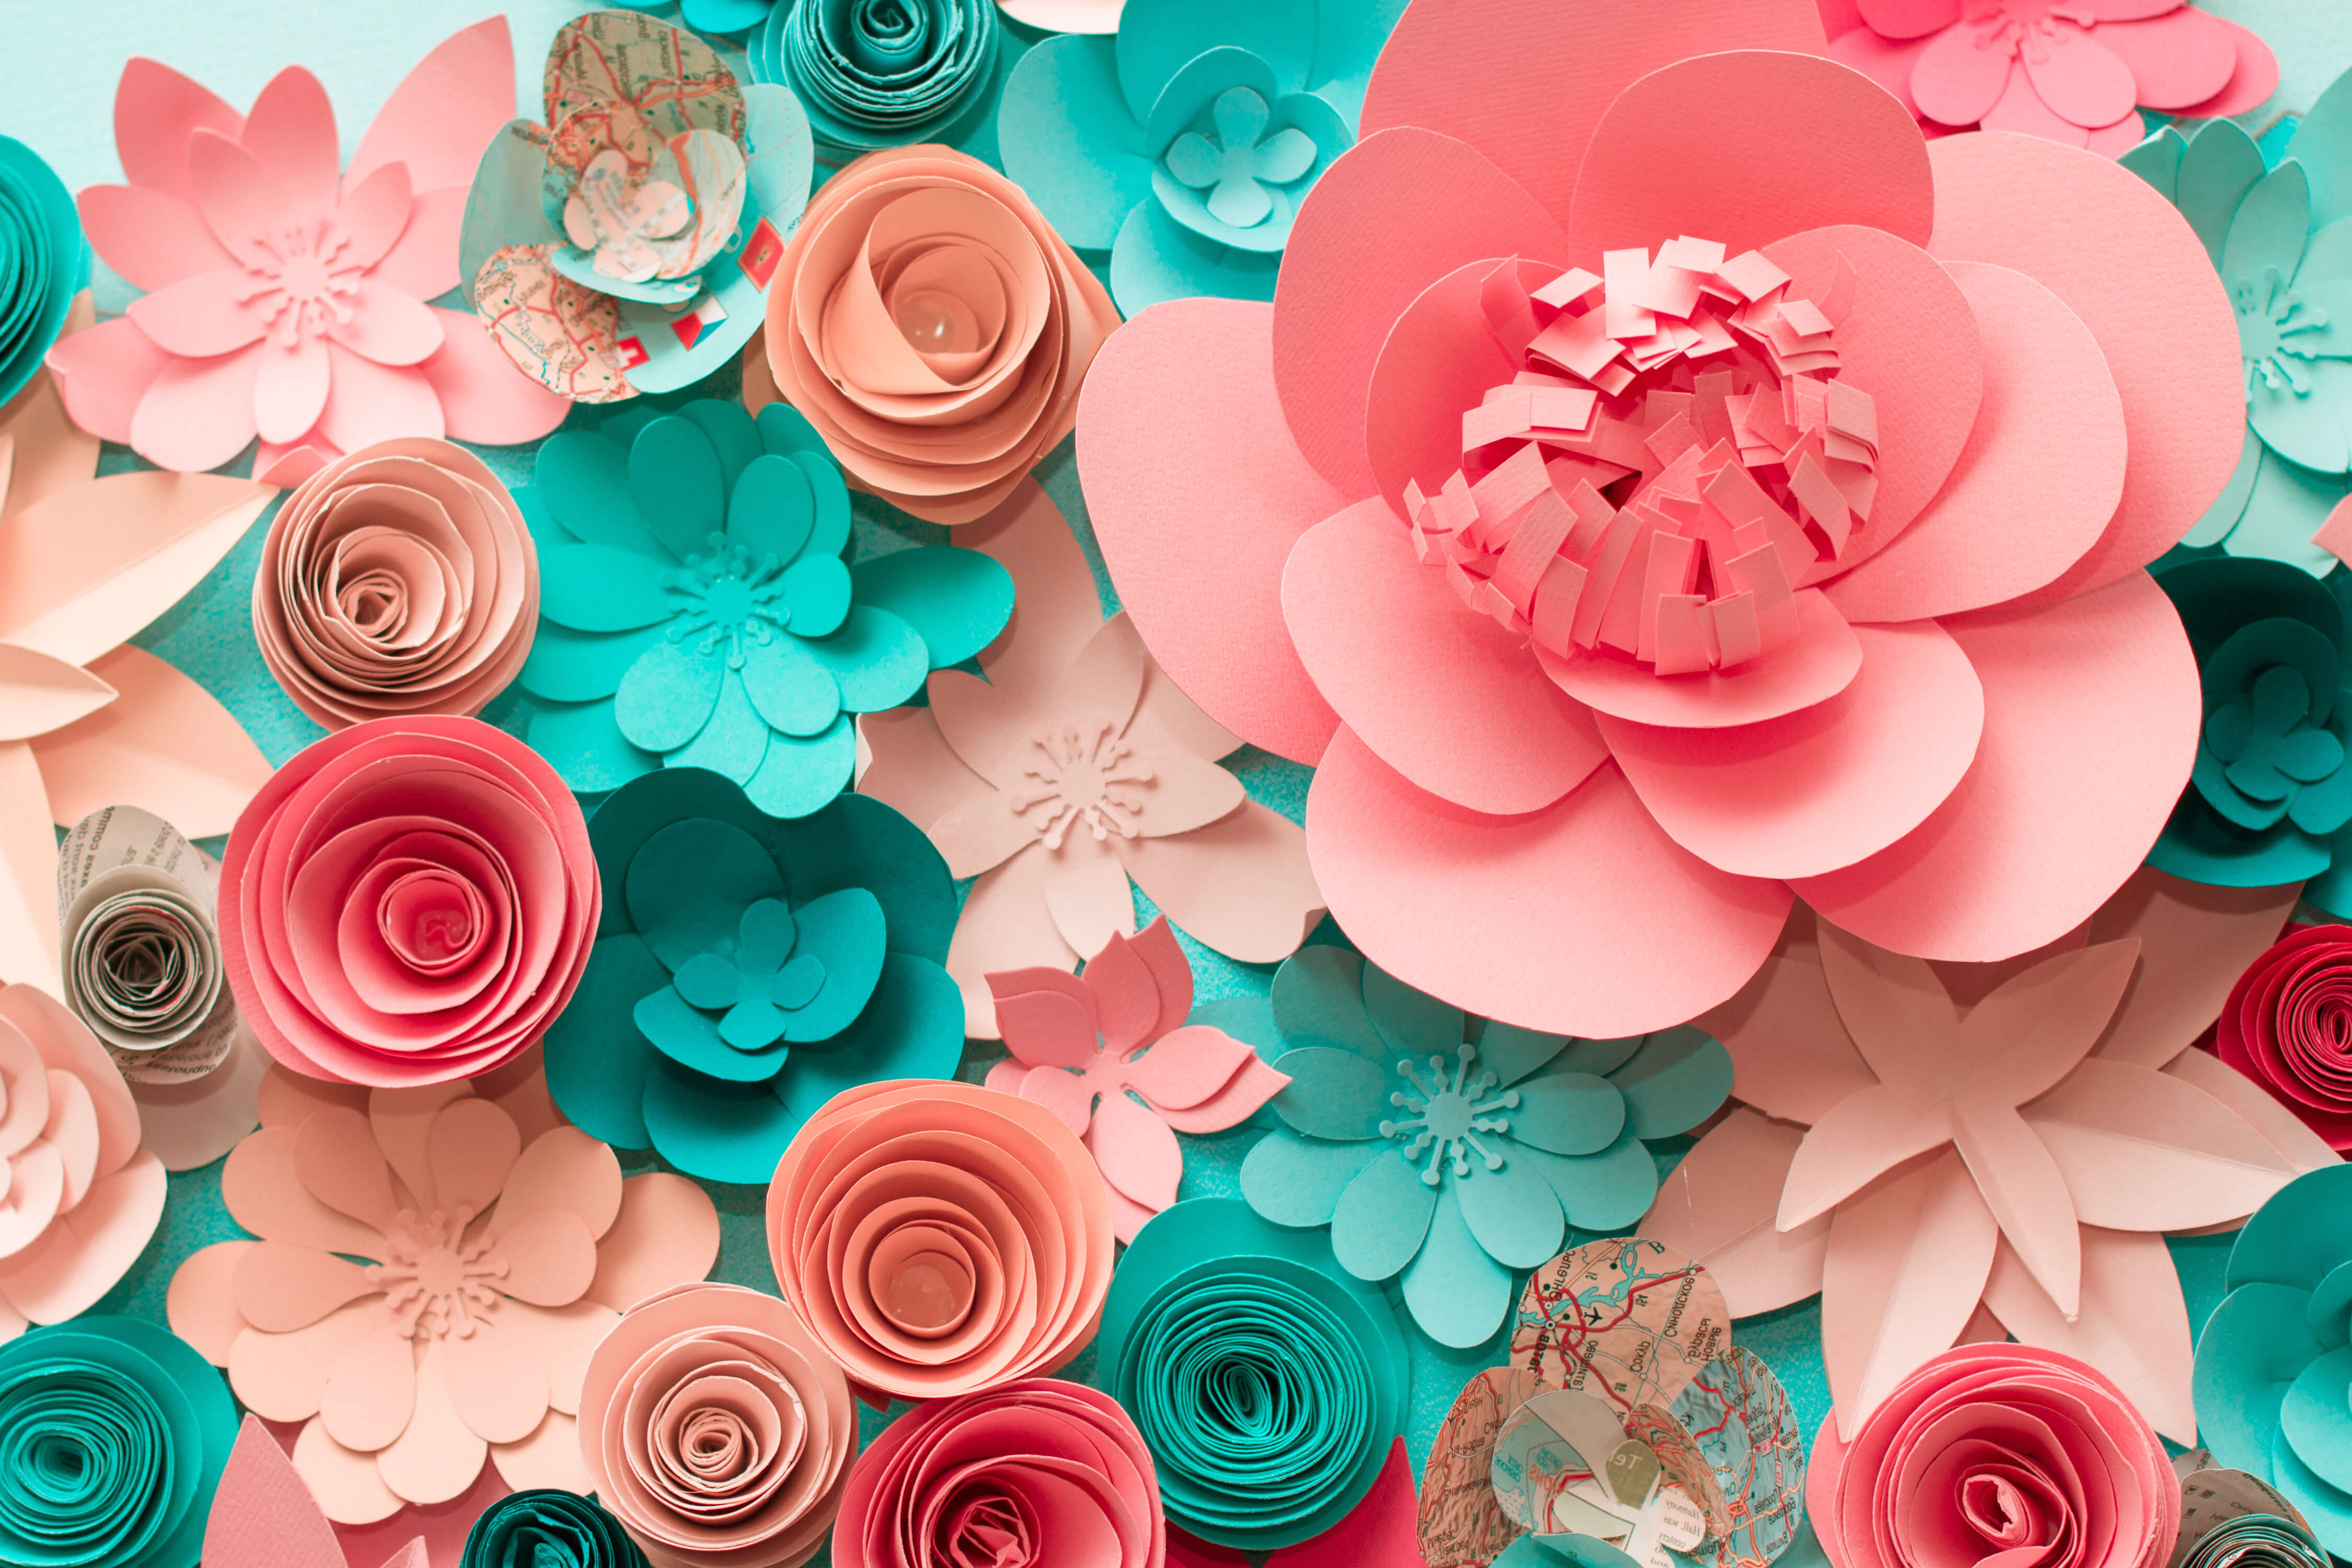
(1035, 1472)
(112, 1438)
(548, 1528)
(2007, 1139)
(939, 1238)
(1182, 144)
(264, 1514)
(2070, 71)
(400, 579)
(282, 301)
(698, 612)
(880, 76)
(622, 245)
(747, 969)
(2288, 1026)
(407, 901)
(933, 328)
(1111, 1053)
(1268, 1382)
(1618, 333)
(498, 1247)
(43, 262)
(1995, 1448)
(717, 1430)
(1451, 1154)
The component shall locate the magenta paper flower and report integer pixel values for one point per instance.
(2076, 71)
(1109, 1052)
(284, 301)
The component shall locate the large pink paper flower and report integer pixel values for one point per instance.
(282, 300)
(1663, 482)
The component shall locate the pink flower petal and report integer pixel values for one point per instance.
(914, 771)
(983, 833)
(1241, 885)
(496, 1380)
(1439, 359)
(154, 240)
(437, 1457)
(287, 464)
(481, 394)
(367, 402)
(195, 414)
(157, 113)
(2255, 77)
(1060, 609)
(1791, 1054)
(1884, 61)
(164, 743)
(1231, 1106)
(346, 1484)
(102, 374)
(445, 110)
(1005, 925)
(2195, 941)
(1138, 1154)
(1719, 1206)
(1958, 77)
(667, 1234)
(375, 213)
(2145, 1151)
(2132, 1325)
(200, 1305)
(1047, 1017)
(1125, 995)
(2177, 60)
(1172, 975)
(237, 197)
(551, 1259)
(200, 316)
(1197, 491)
(290, 390)
(1612, 928)
(1064, 1093)
(423, 261)
(1909, 18)
(263, 1512)
(1820, 664)
(2079, 77)
(1187, 1066)
(2022, 111)
(291, 131)
(387, 326)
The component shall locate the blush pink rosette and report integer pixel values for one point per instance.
(1664, 483)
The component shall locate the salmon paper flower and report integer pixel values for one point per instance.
(285, 300)
(1663, 484)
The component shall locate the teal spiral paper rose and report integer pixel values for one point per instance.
(696, 610)
(43, 262)
(1268, 1381)
(544, 1528)
(883, 73)
(1451, 1152)
(112, 1437)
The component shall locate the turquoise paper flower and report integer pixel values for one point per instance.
(2283, 243)
(696, 610)
(724, 15)
(43, 262)
(1452, 1151)
(884, 73)
(1184, 144)
(747, 969)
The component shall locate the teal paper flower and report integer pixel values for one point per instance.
(1451, 1151)
(883, 73)
(2283, 243)
(696, 610)
(724, 15)
(748, 968)
(543, 1528)
(43, 262)
(1184, 144)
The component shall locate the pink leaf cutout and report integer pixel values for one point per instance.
(1249, 1088)
(2133, 1324)
(1136, 1150)
(1047, 1017)
(1719, 1206)
(165, 744)
(262, 1515)
(2146, 1151)
(1187, 1067)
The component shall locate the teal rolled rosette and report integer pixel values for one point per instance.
(545, 1528)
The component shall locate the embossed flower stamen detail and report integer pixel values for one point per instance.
(1448, 1115)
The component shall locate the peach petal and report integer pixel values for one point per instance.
(1719, 1206)
(195, 414)
(667, 1234)
(153, 239)
(1006, 924)
(281, 1377)
(401, 1120)
(336, 1157)
(2133, 1324)
(563, 1338)
(85, 1253)
(262, 1191)
(472, 1146)
(1791, 1057)
(104, 373)
(371, 1390)
(1241, 885)
(280, 1287)
(1057, 610)
(548, 1457)
(346, 1484)
(157, 112)
(65, 1045)
(549, 1256)
(201, 1304)
(165, 744)
(497, 1380)
(438, 1455)
(564, 1169)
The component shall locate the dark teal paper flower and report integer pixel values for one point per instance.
(696, 610)
(43, 262)
(746, 969)
(543, 1528)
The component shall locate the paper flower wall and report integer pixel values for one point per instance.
(2016, 1136)
(2287, 1023)
(500, 1245)
(282, 300)
(113, 1435)
(1782, 577)
(748, 968)
(882, 76)
(1075, 767)
(624, 246)
(549, 1528)
(1182, 144)
(43, 262)
(1452, 1155)
(263, 1513)
(2072, 73)
(1111, 1053)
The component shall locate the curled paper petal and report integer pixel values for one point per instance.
(875, 78)
(2284, 1026)
(48, 263)
(525, 1529)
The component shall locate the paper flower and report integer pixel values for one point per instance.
(1992, 1448)
(2269, 798)
(1065, 15)
(2288, 1023)
(933, 328)
(263, 1513)
(1183, 144)
(43, 262)
(699, 613)
(1725, 543)
(1452, 1155)
(2011, 1136)
(1035, 1472)
(881, 76)
(2070, 71)
(1111, 1053)
(500, 1247)
(748, 968)
(407, 901)
(939, 1238)
(1074, 767)
(548, 1528)
(112, 1438)
(623, 246)
(79, 1196)
(1244, 1349)
(400, 579)
(279, 301)
(717, 1429)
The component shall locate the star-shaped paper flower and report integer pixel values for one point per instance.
(2070, 70)
(1074, 767)
(697, 612)
(281, 300)
(1080, 1045)
(2014, 1135)
(1454, 1153)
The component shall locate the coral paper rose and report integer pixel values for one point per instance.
(401, 579)
(934, 329)
(2288, 1026)
(409, 902)
(1663, 479)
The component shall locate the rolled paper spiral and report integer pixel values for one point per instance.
(545, 1528)
(42, 262)
(875, 73)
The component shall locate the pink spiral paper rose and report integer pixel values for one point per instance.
(2288, 1026)
(408, 901)
(1996, 1452)
(401, 579)
(1036, 1473)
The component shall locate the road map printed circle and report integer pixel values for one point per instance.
(1462, 1523)
(1628, 1321)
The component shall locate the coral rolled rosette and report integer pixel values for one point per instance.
(2288, 1026)
(409, 902)
(717, 1429)
(401, 579)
